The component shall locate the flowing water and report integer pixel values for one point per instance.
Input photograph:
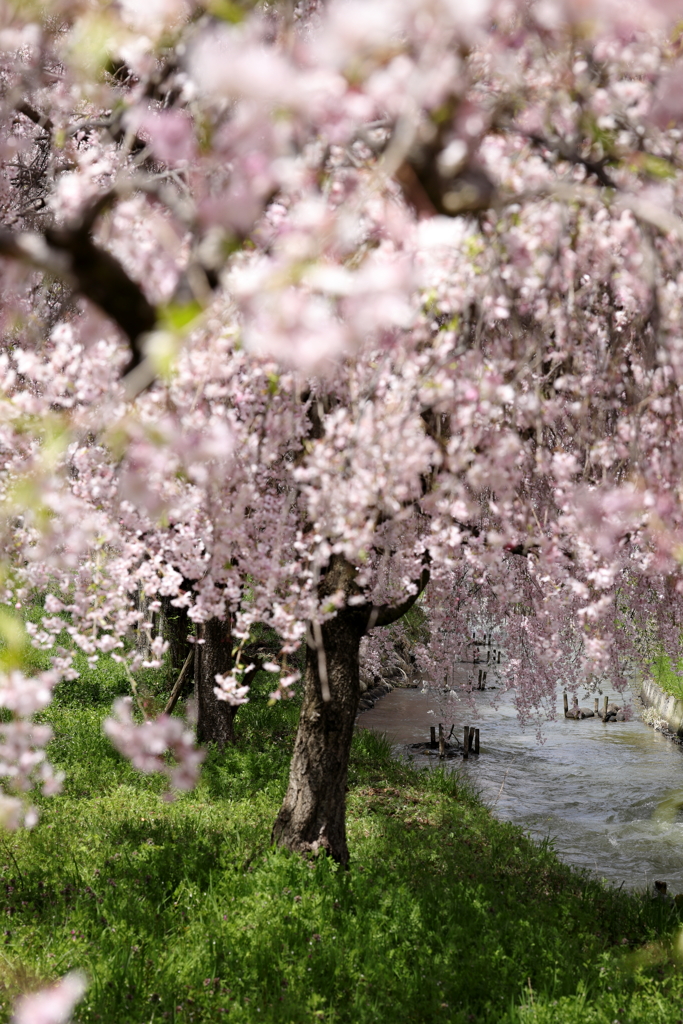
(609, 796)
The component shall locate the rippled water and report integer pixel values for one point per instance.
(610, 796)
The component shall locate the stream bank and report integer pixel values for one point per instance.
(663, 712)
(609, 796)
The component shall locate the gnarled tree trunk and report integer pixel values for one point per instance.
(215, 718)
(313, 813)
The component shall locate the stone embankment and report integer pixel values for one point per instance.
(660, 710)
(399, 673)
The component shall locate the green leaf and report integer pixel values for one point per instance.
(175, 316)
(654, 166)
(226, 10)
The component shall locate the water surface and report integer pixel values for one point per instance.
(610, 796)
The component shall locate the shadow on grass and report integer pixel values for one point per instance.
(183, 911)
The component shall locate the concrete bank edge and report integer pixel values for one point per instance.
(668, 707)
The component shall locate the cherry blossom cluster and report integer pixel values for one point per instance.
(148, 744)
(403, 283)
(53, 1005)
(23, 763)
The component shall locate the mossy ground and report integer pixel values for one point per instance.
(183, 911)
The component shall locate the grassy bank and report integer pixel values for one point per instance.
(183, 912)
(667, 677)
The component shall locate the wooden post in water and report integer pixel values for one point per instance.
(432, 734)
(566, 704)
(483, 681)
(499, 657)
(466, 742)
(604, 717)
(596, 707)
(472, 731)
(476, 741)
(442, 742)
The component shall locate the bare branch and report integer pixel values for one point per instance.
(175, 692)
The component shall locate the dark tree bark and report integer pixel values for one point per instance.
(143, 639)
(313, 813)
(175, 626)
(215, 718)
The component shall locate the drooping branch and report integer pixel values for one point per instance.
(72, 256)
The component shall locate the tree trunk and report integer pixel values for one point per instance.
(176, 626)
(313, 814)
(215, 718)
(143, 639)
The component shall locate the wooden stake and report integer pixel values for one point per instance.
(466, 742)
(476, 741)
(483, 681)
(432, 733)
(472, 732)
(604, 717)
(566, 704)
(175, 692)
(499, 657)
(442, 743)
(597, 709)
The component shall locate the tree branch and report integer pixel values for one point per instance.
(175, 692)
(385, 614)
(71, 255)
(572, 156)
(42, 120)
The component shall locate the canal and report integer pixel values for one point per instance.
(609, 796)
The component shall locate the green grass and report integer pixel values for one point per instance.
(667, 677)
(183, 911)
